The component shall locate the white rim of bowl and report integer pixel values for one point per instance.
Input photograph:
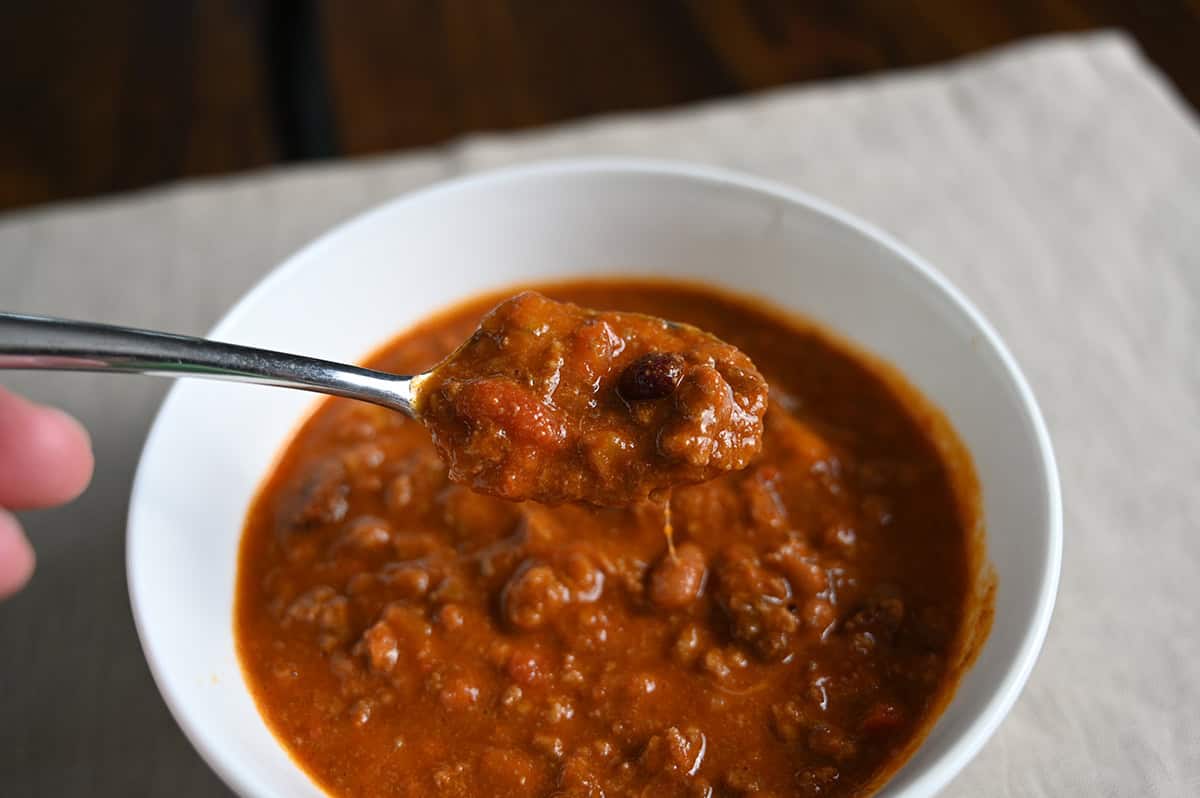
(980, 729)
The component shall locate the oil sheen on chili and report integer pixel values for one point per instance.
(406, 636)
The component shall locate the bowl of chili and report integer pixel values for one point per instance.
(856, 611)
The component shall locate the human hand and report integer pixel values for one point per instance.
(45, 460)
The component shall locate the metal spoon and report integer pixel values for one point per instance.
(41, 342)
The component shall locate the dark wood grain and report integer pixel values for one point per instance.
(99, 97)
(419, 72)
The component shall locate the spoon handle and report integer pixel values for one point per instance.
(41, 342)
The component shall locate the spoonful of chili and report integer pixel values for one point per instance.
(546, 401)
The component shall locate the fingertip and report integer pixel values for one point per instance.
(45, 455)
(16, 556)
(70, 445)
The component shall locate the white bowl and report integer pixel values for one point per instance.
(354, 288)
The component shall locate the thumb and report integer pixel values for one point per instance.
(45, 455)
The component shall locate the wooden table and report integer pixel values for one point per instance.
(102, 97)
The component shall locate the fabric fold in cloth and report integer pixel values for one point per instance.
(1056, 182)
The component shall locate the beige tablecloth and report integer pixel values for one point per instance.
(1057, 183)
